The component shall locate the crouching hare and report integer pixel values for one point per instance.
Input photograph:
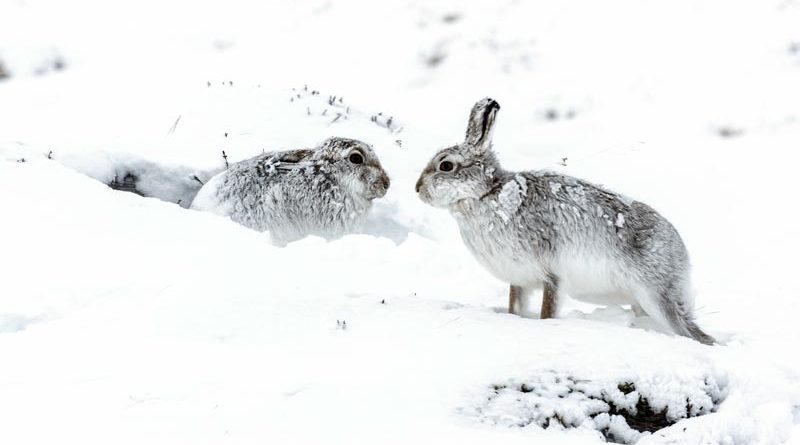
(325, 191)
(545, 230)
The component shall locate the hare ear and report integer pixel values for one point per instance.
(481, 124)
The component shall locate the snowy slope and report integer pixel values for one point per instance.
(127, 319)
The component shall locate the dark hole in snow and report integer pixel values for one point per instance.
(626, 388)
(174, 184)
(128, 184)
(621, 411)
(644, 419)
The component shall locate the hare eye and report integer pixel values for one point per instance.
(446, 166)
(356, 158)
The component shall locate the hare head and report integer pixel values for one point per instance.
(467, 170)
(356, 166)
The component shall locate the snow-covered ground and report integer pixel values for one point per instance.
(126, 319)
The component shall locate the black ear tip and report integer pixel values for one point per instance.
(491, 104)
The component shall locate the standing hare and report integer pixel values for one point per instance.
(542, 229)
(324, 191)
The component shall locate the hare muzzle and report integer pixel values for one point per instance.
(377, 183)
(382, 185)
(422, 190)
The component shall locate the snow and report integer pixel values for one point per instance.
(511, 197)
(131, 319)
(620, 222)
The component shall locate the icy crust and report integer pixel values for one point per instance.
(623, 409)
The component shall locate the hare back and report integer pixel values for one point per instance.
(598, 243)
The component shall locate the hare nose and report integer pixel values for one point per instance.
(419, 184)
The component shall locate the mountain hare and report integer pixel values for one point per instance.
(324, 191)
(541, 229)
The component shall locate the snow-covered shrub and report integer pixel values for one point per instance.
(332, 109)
(623, 410)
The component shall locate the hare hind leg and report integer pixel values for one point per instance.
(638, 310)
(514, 297)
(550, 298)
(518, 300)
